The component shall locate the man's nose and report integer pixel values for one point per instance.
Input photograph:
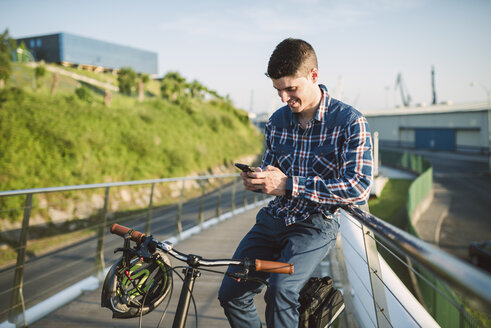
(283, 95)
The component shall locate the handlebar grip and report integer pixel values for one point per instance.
(274, 267)
(120, 230)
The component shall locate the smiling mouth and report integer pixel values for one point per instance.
(292, 103)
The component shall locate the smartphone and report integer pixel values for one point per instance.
(244, 167)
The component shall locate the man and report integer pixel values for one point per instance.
(317, 157)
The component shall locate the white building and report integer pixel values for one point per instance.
(461, 128)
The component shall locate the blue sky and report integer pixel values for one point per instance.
(361, 45)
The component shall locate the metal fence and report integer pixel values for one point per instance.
(376, 292)
(377, 295)
(450, 290)
(47, 259)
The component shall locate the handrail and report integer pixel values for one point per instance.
(111, 184)
(17, 308)
(454, 271)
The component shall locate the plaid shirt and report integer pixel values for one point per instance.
(329, 163)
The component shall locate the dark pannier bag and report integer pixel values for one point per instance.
(320, 303)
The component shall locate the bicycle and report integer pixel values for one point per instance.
(142, 278)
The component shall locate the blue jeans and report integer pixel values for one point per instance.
(304, 244)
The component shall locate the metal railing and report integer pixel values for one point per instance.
(362, 234)
(367, 236)
(210, 196)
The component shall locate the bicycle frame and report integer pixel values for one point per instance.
(194, 262)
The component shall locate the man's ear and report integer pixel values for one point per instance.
(314, 75)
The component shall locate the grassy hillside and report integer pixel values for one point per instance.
(56, 140)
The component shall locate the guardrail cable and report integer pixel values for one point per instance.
(394, 295)
(458, 306)
(385, 285)
(366, 289)
(51, 290)
(61, 268)
(2, 293)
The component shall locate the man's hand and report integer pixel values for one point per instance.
(272, 181)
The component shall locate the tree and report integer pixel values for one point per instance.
(23, 55)
(173, 86)
(144, 78)
(54, 84)
(7, 47)
(196, 90)
(126, 80)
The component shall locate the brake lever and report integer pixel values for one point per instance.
(259, 280)
(142, 250)
(243, 277)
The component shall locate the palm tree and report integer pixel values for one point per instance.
(173, 86)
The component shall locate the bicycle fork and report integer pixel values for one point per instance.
(190, 275)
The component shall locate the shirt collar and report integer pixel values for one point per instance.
(324, 105)
(321, 112)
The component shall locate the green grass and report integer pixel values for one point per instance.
(392, 200)
(61, 140)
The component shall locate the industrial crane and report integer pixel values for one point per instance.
(406, 98)
(434, 101)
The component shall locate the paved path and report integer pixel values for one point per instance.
(79, 77)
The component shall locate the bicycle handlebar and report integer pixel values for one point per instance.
(259, 265)
(273, 266)
(120, 230)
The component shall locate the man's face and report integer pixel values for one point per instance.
(300, 93)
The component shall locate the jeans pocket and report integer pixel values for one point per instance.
(331, 221)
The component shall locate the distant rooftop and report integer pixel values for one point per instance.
(431, 109)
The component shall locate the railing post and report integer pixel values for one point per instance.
(233, 194)
(99, 257)
(202, 185)
(375, 153)
(150, 210)
(245, 197)
(219, 198)
(378, 289)
(17, 305)
(179, 211)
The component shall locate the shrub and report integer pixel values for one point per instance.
(126, 80)
(84, 94)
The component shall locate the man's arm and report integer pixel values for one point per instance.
(256, 181)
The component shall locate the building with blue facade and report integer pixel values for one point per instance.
(72, 50)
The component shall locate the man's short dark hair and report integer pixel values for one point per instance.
(292, 57)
